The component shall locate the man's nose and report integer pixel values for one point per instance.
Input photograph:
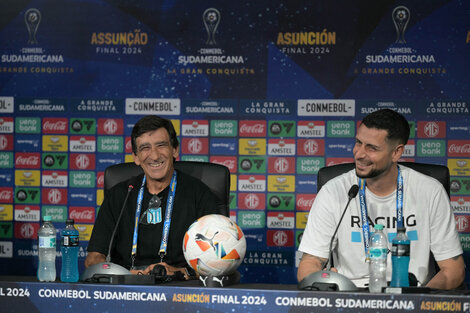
(359, 152)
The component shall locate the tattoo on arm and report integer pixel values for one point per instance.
(322, 261)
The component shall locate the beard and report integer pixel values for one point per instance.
(374, 173)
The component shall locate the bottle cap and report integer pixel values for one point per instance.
(378, 226)
(69, 221)
(47, 218)
(401, 229)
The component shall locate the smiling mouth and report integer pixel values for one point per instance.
(155, 164)
(360, 165)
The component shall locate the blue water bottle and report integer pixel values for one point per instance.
(69, 248)
(400, 259)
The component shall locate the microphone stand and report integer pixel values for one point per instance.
(104, 271)
(351, 195)
(327, 280)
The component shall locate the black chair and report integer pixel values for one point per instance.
(215, 176)
(439, 172)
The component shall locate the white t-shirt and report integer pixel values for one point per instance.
(427, 215)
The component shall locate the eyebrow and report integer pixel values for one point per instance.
(146, 144)
(368, 144)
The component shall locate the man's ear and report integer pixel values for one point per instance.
(136, 158)
(398, 152)
(176, 152)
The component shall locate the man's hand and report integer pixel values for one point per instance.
(310, 264)
(451, 274)
(93, 258)
(170, 270)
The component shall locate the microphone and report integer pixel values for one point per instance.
(327, 280)
(100, 271)
(352, 193)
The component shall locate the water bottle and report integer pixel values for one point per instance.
(378, 250)
(400, 259)
(69, 249)
(47, 250)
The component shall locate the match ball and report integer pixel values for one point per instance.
(214, 245)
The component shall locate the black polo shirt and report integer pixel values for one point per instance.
(193, 199)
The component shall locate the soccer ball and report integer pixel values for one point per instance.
(214, 245)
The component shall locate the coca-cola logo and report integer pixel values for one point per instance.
(453, 148)
(31, 160)
(252, 201)
(305, 202)
(100, 180)
(110, 126)
(84, 215)
(57, 126)
(6, 195)
(252, 129)
(82, 161)
(229, 163)
(128, 145)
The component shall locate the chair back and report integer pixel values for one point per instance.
(215, 176)
(439, 172)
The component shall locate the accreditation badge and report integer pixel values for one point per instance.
(154, 216)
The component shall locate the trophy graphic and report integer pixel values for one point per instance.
(211, 19)
(401, 17)
(32, 18)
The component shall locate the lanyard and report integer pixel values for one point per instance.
(166, 225)
(364, 215)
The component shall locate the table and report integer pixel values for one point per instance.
(27, 295)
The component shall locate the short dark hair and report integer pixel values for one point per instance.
(394, 123)
(150, 123)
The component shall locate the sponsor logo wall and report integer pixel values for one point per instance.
(262, 89)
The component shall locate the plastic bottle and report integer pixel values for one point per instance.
(400, 259)
(47, 250)
(378, 250)
(69, 249)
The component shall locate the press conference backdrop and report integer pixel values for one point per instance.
(271, 89)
